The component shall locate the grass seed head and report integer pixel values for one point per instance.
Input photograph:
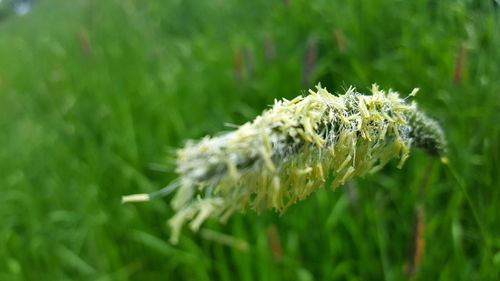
(286, 153)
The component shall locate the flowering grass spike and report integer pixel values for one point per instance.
(286, 153)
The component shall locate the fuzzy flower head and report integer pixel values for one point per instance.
(286, 153)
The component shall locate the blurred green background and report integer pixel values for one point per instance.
(96, 95)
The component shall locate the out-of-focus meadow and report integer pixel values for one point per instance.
(96, 95)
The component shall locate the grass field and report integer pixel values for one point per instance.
(96, 95)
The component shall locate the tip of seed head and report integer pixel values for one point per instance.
(135, 198)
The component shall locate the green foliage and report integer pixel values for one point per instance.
(95, 95)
